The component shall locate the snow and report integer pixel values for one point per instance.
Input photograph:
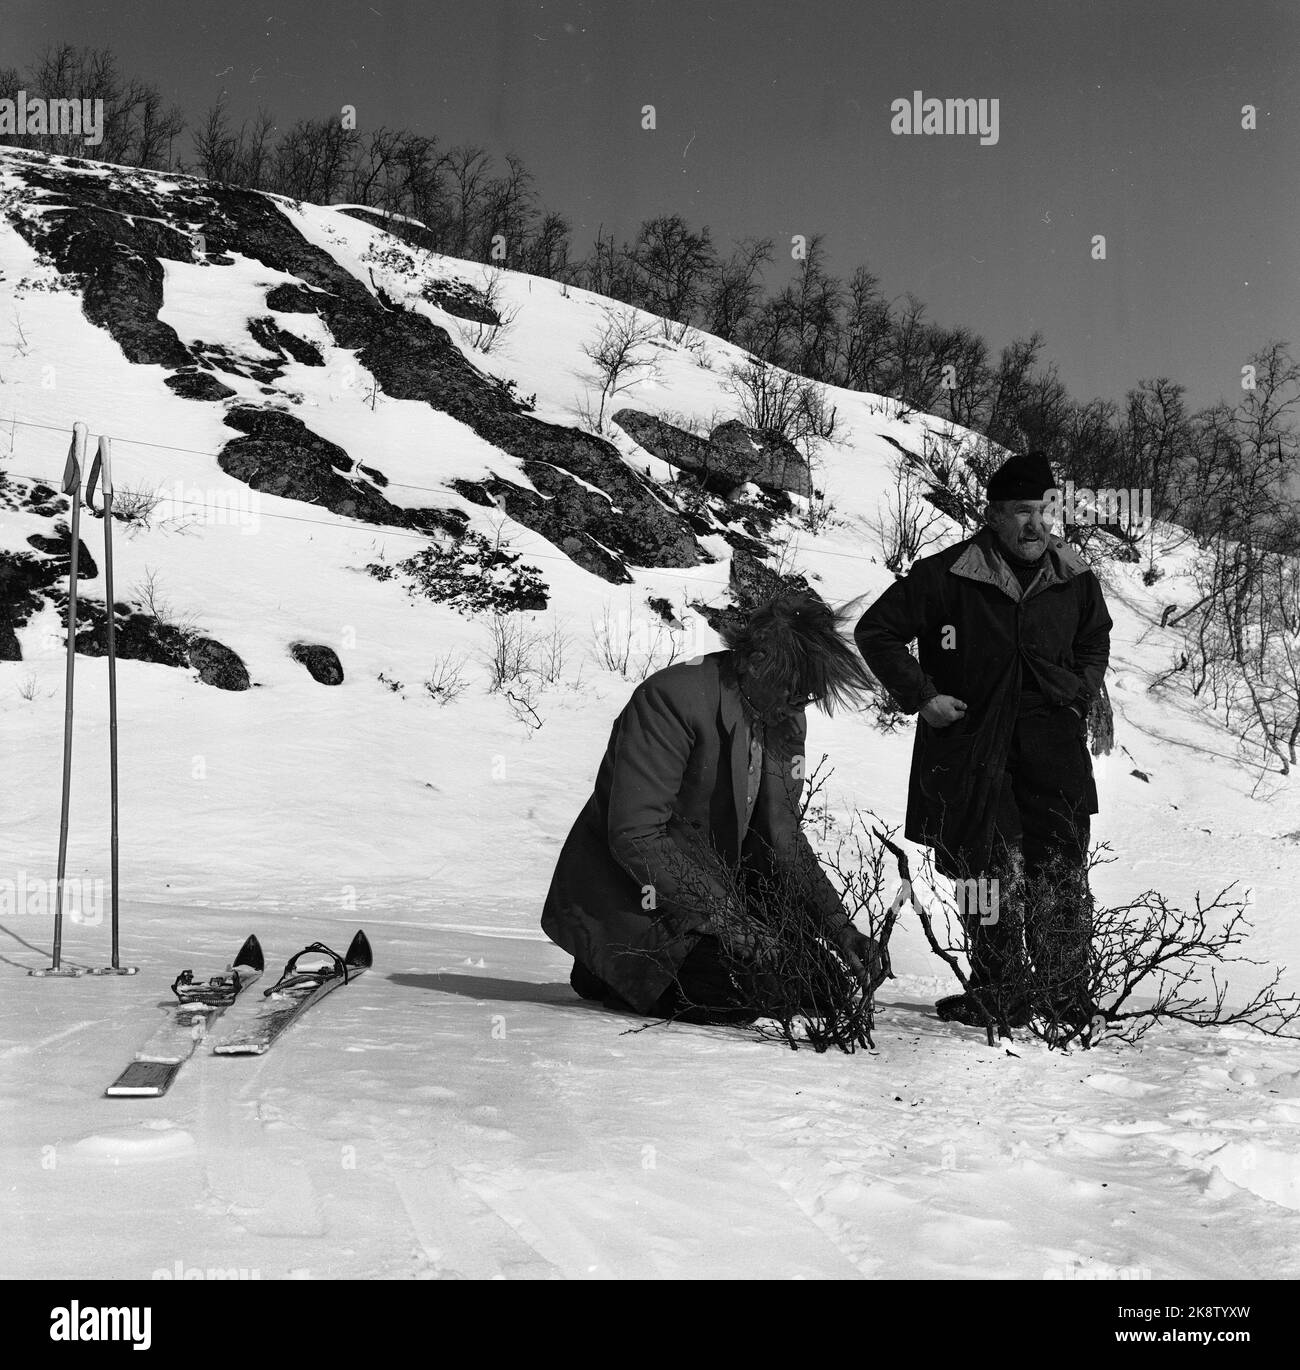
(457, 1111)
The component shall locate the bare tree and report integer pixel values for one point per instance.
(734, 289)
(468, 171)
(614, 353)
(670, 266)
(811, 307)
(865, 338)
(137, 130)
(546, 250)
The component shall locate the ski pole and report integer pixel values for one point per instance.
(102, 468)
(71, 486)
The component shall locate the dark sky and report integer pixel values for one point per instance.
(1119, 117)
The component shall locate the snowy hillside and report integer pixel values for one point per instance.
(459, 1111)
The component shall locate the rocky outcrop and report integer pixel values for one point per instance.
(137, 636)
(322, 662)
(750, 584)
(280, 455)
(27, 578)
(398, 226)
(766, 459)
(413, 359)
(193, 384)
(59, 551)
(23, 580)
(283, 343)
(217, 664)
(110, 237)
(731, 456)
(287, 298)
(111, 229)
(686, 451)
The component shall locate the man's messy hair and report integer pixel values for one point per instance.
(800, 639)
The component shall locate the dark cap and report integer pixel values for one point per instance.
(1028, 476)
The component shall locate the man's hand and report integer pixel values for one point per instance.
(742, 936)
(862, 954)
(942, 710)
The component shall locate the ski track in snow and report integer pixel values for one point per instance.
(466, 1121)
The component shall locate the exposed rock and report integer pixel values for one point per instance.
(137, 636)
(288, 298)
(95, 238)
(193, 384)
(750, 584)
(755, 516)
(210, 355)
(111, 229)
(474, 491)
(731, 456)
(59, 549)
(412, 358)
(217, 664)
(554, 519)
(27, 579)
(674, 445)
(45, 501)
(281, 456)
(741, 542)
(663, 607)
(766, 459)
(271, 336)
(460, 300)
(322, 662)
(22, 579)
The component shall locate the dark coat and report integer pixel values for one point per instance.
(656, 849)
(973, 628)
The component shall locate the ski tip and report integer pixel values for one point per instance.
(250, 954)
(359, 953)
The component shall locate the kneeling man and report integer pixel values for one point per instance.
(698, 793)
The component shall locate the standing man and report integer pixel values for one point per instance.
(697, 793)
(1013, 638)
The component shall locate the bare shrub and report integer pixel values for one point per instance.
(1078, 970)
(446, 681)
(470, 573)
(522, 701)
(818, 512)
(155, 603)
(907, 525)
(552, 652)
(631, 645)
(512, 651)
(485, 336)
(776, 401)
(136, 504)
